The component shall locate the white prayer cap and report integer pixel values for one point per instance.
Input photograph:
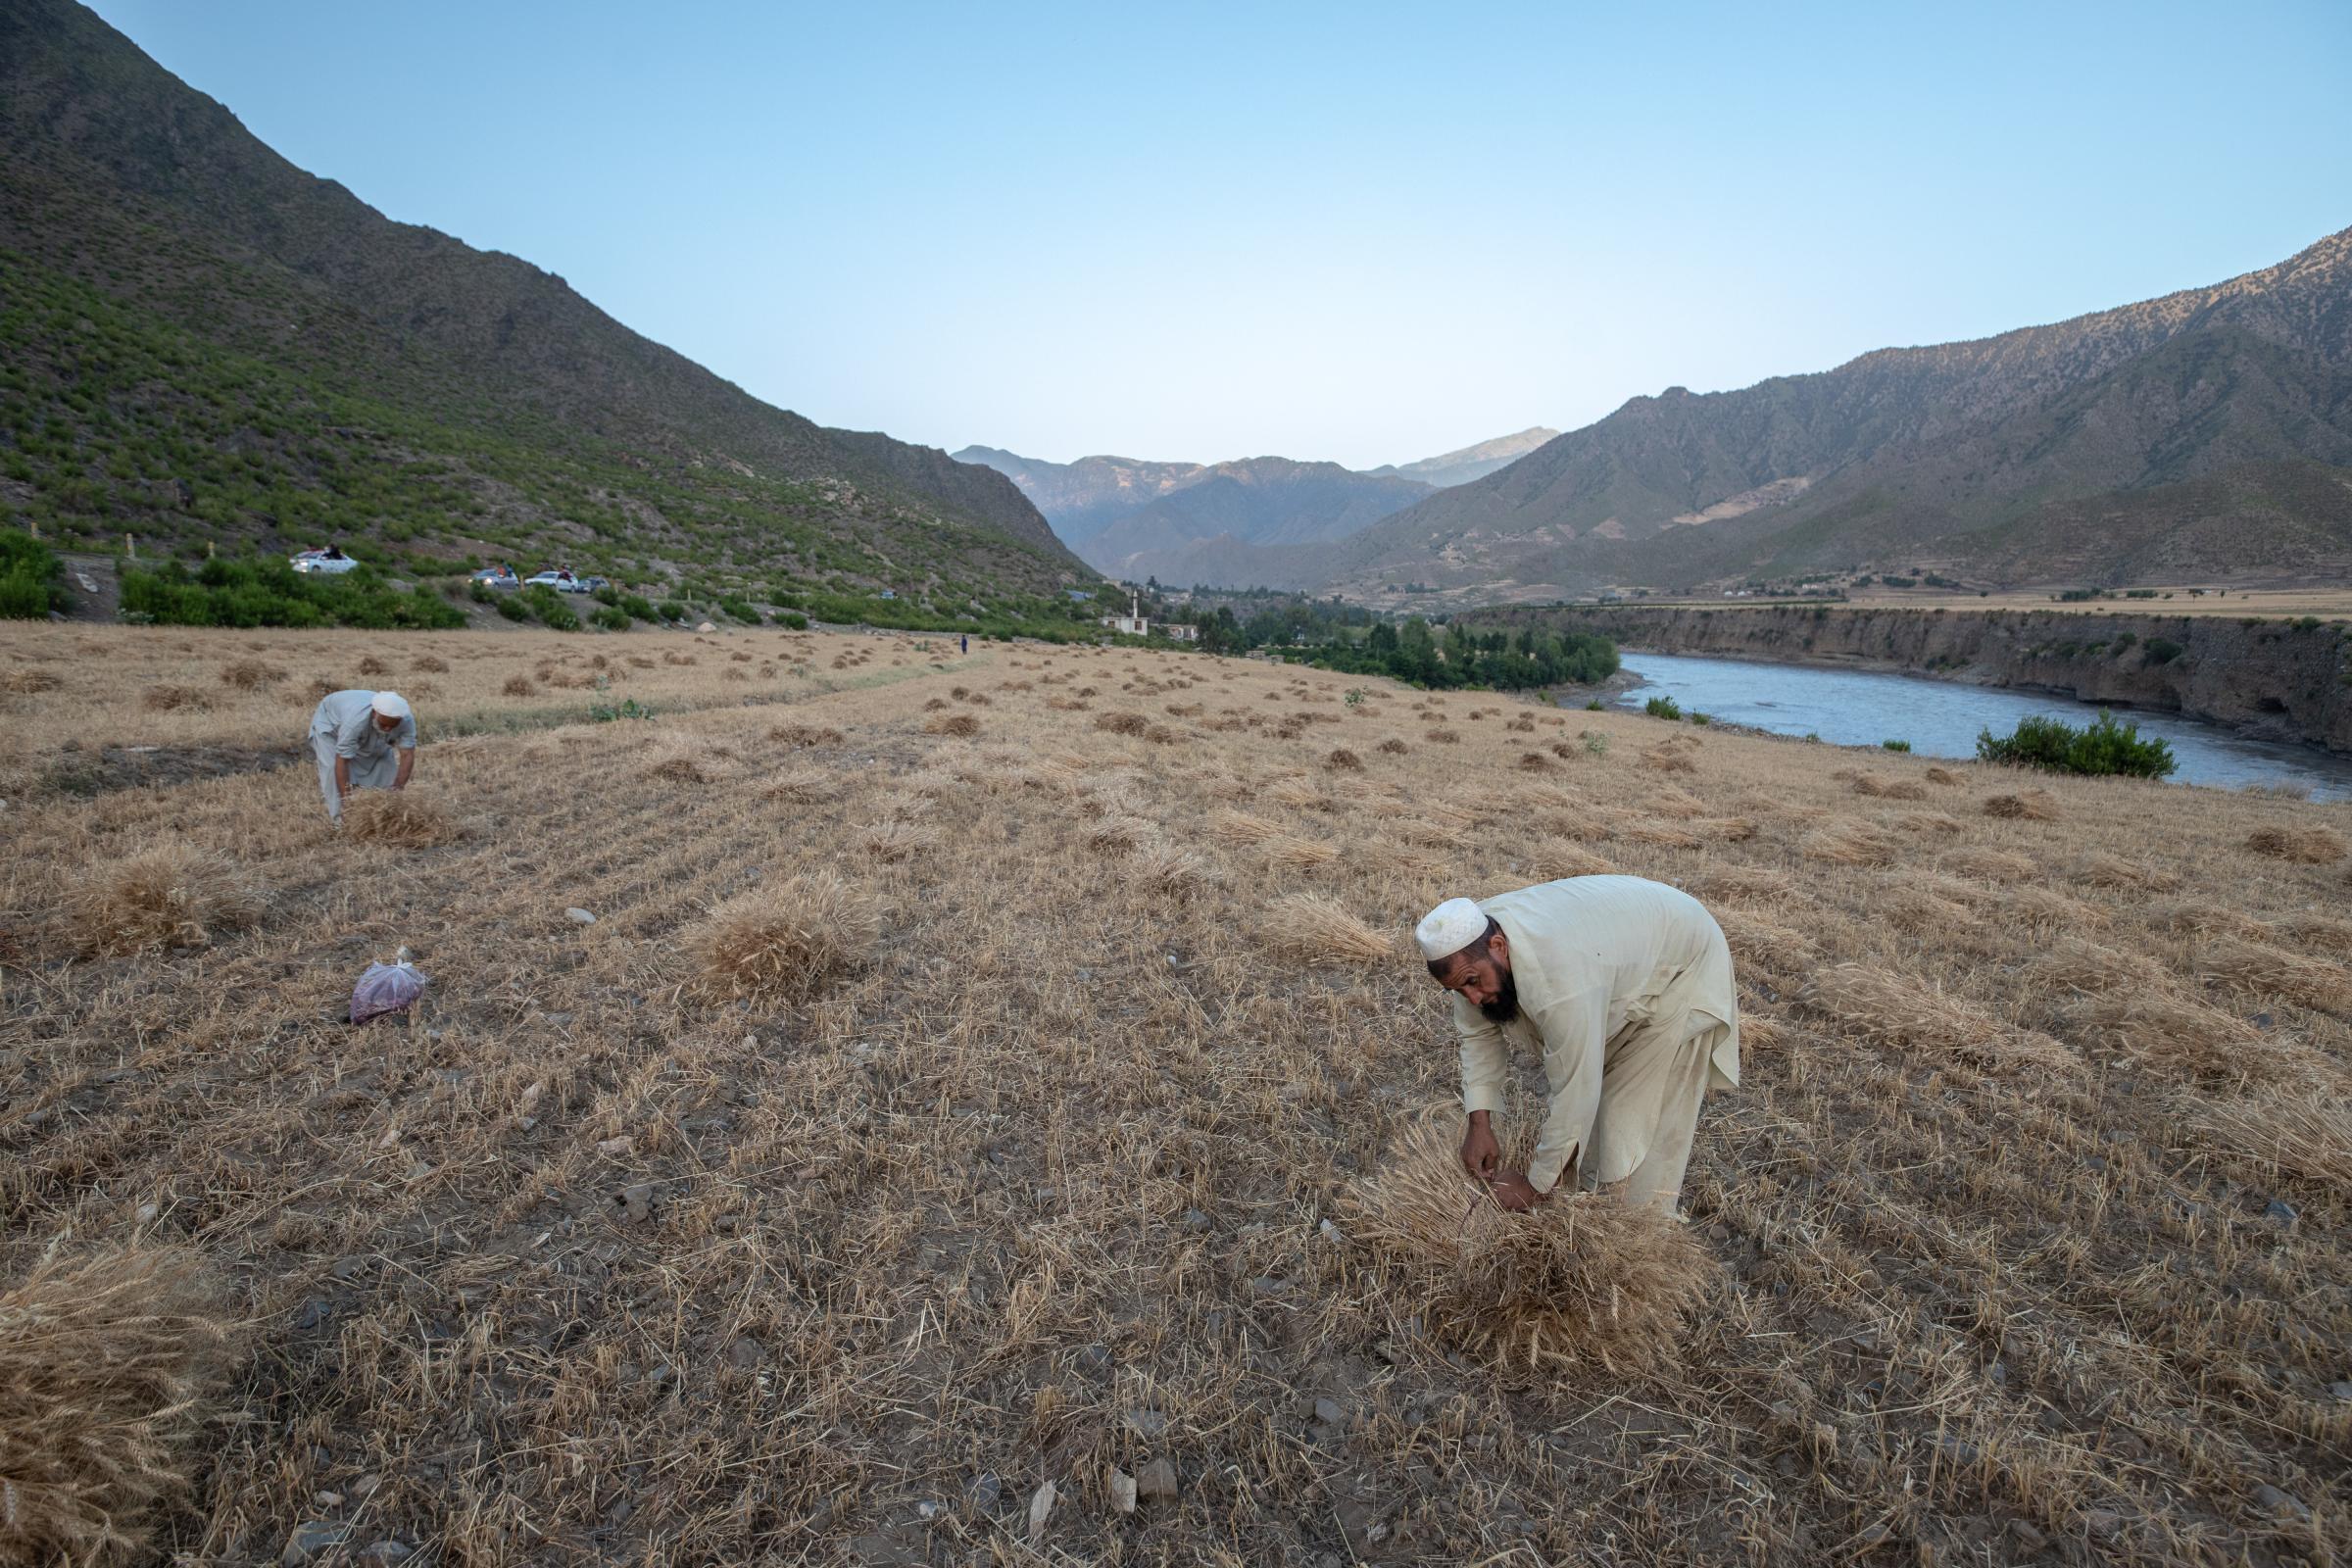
(391, 705)
(1449, 928)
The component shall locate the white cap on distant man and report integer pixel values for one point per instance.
(391, 705)
(1449, 928)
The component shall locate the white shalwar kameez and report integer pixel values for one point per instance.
(1625, 987)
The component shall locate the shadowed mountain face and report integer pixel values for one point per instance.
(132, 199)
(1245, 524)
(2014, 458)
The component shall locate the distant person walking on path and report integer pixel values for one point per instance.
(964, 644)
(353, 735)
(1625, 987)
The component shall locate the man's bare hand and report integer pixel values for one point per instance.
(1513, 1191)
(1482, 1155)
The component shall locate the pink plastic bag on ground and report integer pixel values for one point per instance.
(386, 987)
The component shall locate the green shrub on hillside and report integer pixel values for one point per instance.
(741, 609)
(548, 606)
(1662, 707)
(28, 578)
(2163, 649)
(2104, 748)
(268, 592)
(793, 618)
(610, 618)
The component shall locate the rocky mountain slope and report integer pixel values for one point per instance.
(1460, 466)
(2103, 446)
(204, 342)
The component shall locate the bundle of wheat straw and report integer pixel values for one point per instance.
(398, 819)
(170, 895)
(1582, 1280)
(107, 1365)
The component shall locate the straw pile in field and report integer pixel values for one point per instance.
(400, 818)
(1916, 1013)
(2305, 1137)
(1581, 1282)
(1314, 929)
(107, 1364)
(785, 942)
(171, 896)
(2305, 846)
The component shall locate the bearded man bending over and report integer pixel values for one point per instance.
(1624, 988)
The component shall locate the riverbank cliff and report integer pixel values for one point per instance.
(2279, 680)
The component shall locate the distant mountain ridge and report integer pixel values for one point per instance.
(1460, 466)
(2188, 435)
(144, 209)
(1242, 522)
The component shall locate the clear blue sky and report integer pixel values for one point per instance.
(1353, 232)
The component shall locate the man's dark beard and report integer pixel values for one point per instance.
(1505, 1006)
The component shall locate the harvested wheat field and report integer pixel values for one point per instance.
(999, 1146)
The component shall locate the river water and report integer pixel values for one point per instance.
(1941, 719)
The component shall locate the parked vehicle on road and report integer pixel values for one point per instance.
(330, 562)
(563, 580)
(500, 576)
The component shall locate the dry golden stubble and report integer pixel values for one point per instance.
(2303, 1135)
(2030, 806)
(1122, 723)
(520, 686)
(1987, 865)
(1312, 929)
(1343, 761)
(2259, 969)
(1394, 747)
(1930, 822)
(2194, 1041)
(1582, 1284)
(402, 819)
(1668, 760)
(960, 725)
(167, 699)
(1300, 795)
(805, 735)
(803, 786)
(1845, 843)
(785, 942)
(1756, 883)
(2099, 868)
(2303, 846)
(28, 682)
(110, 1362)
(373, 665)
(429, 665)
(1555, 858)
(1896, 789)
(1878, 1003)
(1170, 870)
(1942, 775)
(894, 840)
(167, 895)
(1443, 737)
(1768, 945)
(1295, 854)
(1118, 834)
(1240, 827)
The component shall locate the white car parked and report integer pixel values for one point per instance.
(330, 562)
